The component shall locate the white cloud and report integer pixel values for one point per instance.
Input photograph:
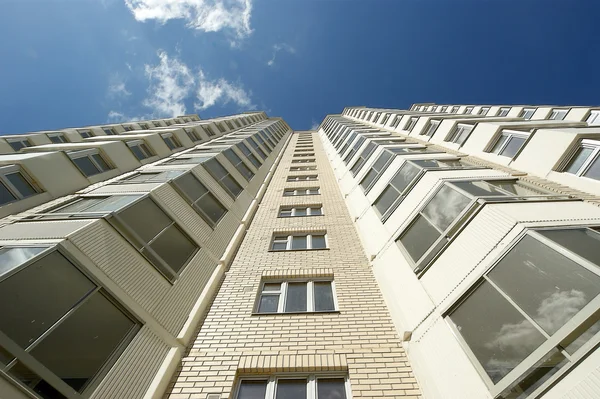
(171, 82)
(280, 47)
(203, 15)
(118, 90)
(209, 92)
(315, 125)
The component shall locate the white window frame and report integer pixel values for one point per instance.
(552, 341)
(302, 178)
(310, 210)
(586, 143)
(458, 131)
(527, 113)
(558, 114)
(302, 168)
(432, 127)
(503, 111)
(61, 137)
(507, 136)
(310, 160)
(24, 141)
(483, 111)
(469, 110)
(85, 133)
(112, 131)
(283, 290)
(10, 169)
(311, 383)
(410, 125)
(192, 134)
(295, 192)
(142, 146)
(76, 154)
(289, 239)
(170, 137)
(593, 118)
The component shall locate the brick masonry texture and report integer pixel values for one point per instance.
(359, 340)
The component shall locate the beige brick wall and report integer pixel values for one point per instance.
(360, 339)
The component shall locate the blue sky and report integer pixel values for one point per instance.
(84, 62)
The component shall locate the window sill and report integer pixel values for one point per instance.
(297, 313)
(291, 217)
(298, 250)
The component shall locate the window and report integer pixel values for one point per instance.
(153, 177)
(444, 108)
(237, 162)
(300, 149)
(504, 111)
(202, 200)
(483, 111)
(594, 118)
(397, 189)
(449, 209)
(359, 142)
(186, 161)
(558, 114)
(454, 109)
(14, 185)
(89, 162)
(411, 124)
(144, 126)
(396, 121)
(302, 168)
(288, 192)
(585, 161)
(85, 133)
(367, 152)
(60, 315)
(156, 123)
(378, 167)
(296, 296)
(171, 141)
(295, 211)
(461, 133)
(282, 387)
(57, 138)
(299, 242)
(431, 128)
(139, 149)
(222, 176)
(312, 154)
(509, 143)
(468, 110)
(246, 151)
(303, 160)
(302, 178)
(109, 131)
(256, 148)
(527, 113)
(209, 130)
(526, 292)
(17, 144)
(220, 127)
(128, 128)
(192, 134)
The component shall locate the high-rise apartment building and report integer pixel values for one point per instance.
(446, 251)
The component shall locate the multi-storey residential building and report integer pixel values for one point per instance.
(445, 251)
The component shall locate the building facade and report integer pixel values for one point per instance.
(445, 251)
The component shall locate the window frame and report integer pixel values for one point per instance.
(503, 111)
(23, 142)
(311, 379)
(196, 204)
(432, 127)
(85, 133)
(576, 324)
(170, 137)
(593, 118)
(301, 178)
(411, 123)
(527, 113)
(290, 238)
(593, 145)
(558, 114)
(458, 131)
(61, 138)
(89, 153)
(144, 148)
(293, 209)
(507, 135)
(296, 191)
(6, 170)
(24, 356)
(283, 292)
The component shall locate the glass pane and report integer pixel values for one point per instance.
(112, 203)
(323, 296)
(497, 334)
(232, 186)
(584, 242)
(86, 166)
(215, 169)
(279, 245)
(140, 178)
(81, 344)
(479, 188)
(300, 211)
(250, 389)
(516, 188)
(419, 237)
(22, 185)
(548, 286)
(331, 388)
(296, 297)
(499, 144)
(5, 195)
(13, 257)
(33, 299)
(514, 144)
(537, 375)
(405, 176)
(174, 247)
(445, 207)
(593, 171)
(299, 242)
(316, 211)
(291, 389)
(386, 199)
(213, 209)
(30, 379)
(190, 186)
(146, 219)
(580, 340)
(137, 152)
(79, 205)
(100, 161)
(369, 177)
(271, 286)
(268, 304)
(318, 242)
